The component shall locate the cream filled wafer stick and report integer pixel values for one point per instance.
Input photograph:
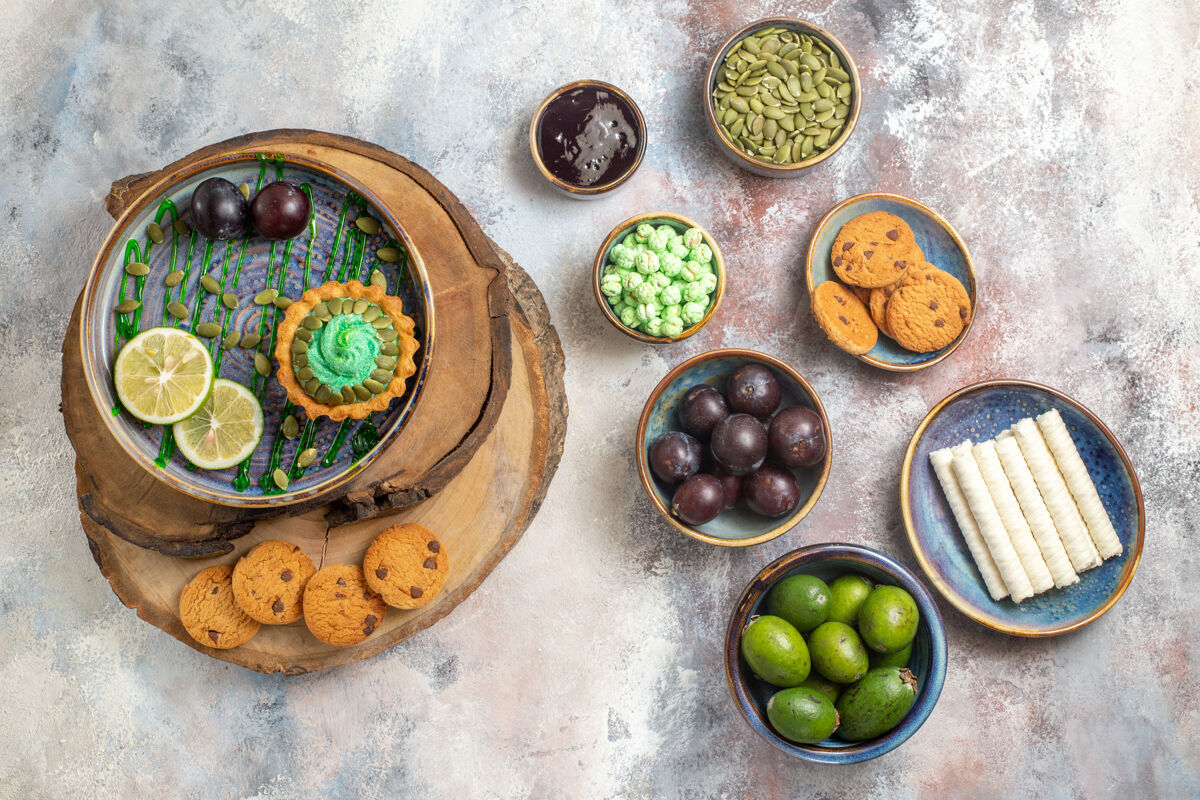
(1034, 509)
(983, 509)
(1075, 473)
(942, 466)
(1057, 496)
(1010, 514)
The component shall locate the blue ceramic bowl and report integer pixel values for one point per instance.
(939, 241)
(828, 561)
(737, 527)
(979, 412)
(244, 267)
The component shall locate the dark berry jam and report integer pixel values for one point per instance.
(589, 137)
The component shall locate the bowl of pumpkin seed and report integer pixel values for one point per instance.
(783, 94)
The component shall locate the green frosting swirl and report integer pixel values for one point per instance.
(343, 351)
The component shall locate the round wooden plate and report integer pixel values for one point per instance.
(478, 516)
(463, 397)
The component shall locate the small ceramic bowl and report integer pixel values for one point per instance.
(943, 248)
(979, 412)
(734, 152)
(570, 189)
(627, 227)
(828, 561)
(738, 527)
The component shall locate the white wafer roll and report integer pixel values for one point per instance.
(1075, 473)
(1054, 491)
(1010, 514)
(983, 509)
(1034, 509)
(942, 460)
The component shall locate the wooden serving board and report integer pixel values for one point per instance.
(479, 515)
(464, 396)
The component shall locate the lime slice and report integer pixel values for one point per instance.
(163, 375)
(224, 431)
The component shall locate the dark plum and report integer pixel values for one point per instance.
(699, 499)
(280, 211)
(796, 437)
(771, 491)
(754, 390)
(700, 409)
(219, 211)
(739, 444)
(675, 457)
(732, 485)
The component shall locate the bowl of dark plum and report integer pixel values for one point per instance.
(733, 447)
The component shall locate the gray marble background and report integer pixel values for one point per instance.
(1059, 138)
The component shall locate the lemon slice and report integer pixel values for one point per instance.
(163, 375)
(224, 431)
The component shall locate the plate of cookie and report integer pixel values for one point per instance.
(890, 281)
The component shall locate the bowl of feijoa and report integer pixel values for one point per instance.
(835, 653)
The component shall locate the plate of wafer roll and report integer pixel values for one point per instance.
(1022, 508)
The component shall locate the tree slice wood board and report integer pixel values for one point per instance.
(478, 516)
(463, 398)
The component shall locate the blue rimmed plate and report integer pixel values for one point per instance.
(979, 412)
(337, 250)
(943, 248)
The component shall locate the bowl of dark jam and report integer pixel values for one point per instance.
(587, 138)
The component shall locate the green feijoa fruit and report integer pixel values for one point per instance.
(177, 310)
(876, 704)
(822, 686)
(208, 330)
(897, 659)
(887, 619)
(802, 715)
(775, 651)
(837, 652)
(802, 600)
(210, 284)
(847, 594)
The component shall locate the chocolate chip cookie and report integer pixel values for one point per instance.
(407, 565)
(928, 312)
(339, 608)
(210, 614)
(268, 582)
(874, 249)
(844, 318)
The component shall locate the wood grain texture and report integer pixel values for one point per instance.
(464, 395)
(478, 516)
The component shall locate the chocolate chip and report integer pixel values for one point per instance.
(296, 549)
(846, 246)
(928, 276)
(341, 581)
(430, 563)
(843, 319)
(215, 590)
(900, 264)
(962, 312)
(370, 625)
(214, 635)
(278, 606)
(339, 595)
(415, 591)
(840, 299)
(868, 253)
(933, 305)
(366, 594)
(893, 234)
(939, 323)
(285, 576)
(380, 573)
(434, 546)
(837, 262)
(372, 619)
(875, 244)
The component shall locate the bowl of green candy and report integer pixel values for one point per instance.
(658, 277)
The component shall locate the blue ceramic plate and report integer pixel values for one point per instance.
(246, 266)
(938, 240)
(828, 561)
(980, 412)
(737, 527)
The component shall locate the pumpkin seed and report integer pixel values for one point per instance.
(324, 394)
(304, 373)
(182, 228)
(321, 312)
(818, 76)
(304, 334)
(739, 104)
(128, 306)
(843, 92)
(298, 346)
(252, 339)
(738, 127)
(137, 269)
(265, 297)
(229, 300)
(824, 115)
(290, 427)
(382, 322)
(387, 335)
(787, 123)
(755, 105)
(360, 306)
(210, 284)
(822, 105)
(386, 362)
(832, 122)
(811, 62)
(389, 255)
(782, 155)
(841, 111)
(231, 340)
(312, 386)
(770, 128)
(806, 146)
(348, 395)
(334, 305)
(373, 386)
(379, 279)
(757, 125)
(372, 313)
(381, 375)
(281, 479)
(155, 231)
(174, 277)
(299, 360)
(389, 349)
(245, 190)
(362, 393)
(262, 365)
(208, 330)
(766, 150)
(282, 302)
(823, 90)
(798, 150)
(312, 323)
(368, 225)
(306, 457)
(177, 310)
